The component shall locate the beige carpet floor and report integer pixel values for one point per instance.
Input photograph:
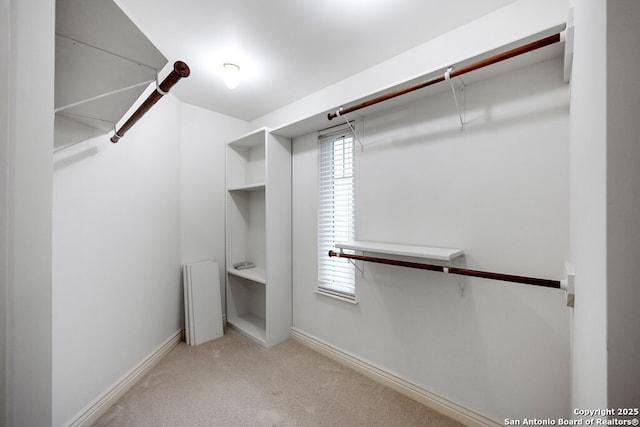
(233, 382)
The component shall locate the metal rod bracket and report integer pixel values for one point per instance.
(158, 88)
(352, 262)
(569, 285)
(447, 77)
(459, 279)
(352, 129)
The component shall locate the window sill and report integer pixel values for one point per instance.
(338, 297)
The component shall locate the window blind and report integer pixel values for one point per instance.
(336, 216)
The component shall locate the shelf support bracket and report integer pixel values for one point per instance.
(102, 95)
(447, 77)
(361, 270)
(459, 279)
(352, 129)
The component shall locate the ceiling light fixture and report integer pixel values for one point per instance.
(231, 75)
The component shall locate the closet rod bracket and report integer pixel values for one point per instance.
(569, 284)
(352, 262)
(351, 127)
(460, 280)
(447, 77)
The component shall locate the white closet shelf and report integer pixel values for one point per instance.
(428, 252)
(252, 139)
(256, 274)
(248, 187)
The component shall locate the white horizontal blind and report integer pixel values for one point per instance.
(336, 212)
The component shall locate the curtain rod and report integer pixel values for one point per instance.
(180, 70)
(454, 73)
(548, 283)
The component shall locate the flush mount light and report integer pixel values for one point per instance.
(231, 74)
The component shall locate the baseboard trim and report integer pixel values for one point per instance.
(438, 403)
(95, 410)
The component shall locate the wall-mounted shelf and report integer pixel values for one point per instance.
(427, 252)
(311, 123)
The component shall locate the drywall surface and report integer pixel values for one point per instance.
(623, 203)
(203, 190)
(5, 107)
(27, 137)
(499, 191)
(116, 256)
(507, 25)
(589, 206)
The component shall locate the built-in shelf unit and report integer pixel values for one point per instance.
(259, 231)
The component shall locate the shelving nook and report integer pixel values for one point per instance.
(259, 231)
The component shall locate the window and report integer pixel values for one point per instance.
(336, 276)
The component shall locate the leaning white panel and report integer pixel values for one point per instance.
(204, 309)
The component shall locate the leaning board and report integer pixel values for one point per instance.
(203, 306)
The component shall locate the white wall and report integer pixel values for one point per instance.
(5, 107)
(499, 190)
(589, 205)
(126, 217)
(26, 87)
(204, 135)
(623, 202)
(116, 256)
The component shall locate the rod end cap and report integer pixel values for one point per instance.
(182, 69)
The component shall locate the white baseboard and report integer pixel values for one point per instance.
(438, 403)
(95, 410)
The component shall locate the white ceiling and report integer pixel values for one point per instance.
(288, 49)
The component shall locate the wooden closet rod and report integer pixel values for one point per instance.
(455, 270)
(454, 73)
(180, 70)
